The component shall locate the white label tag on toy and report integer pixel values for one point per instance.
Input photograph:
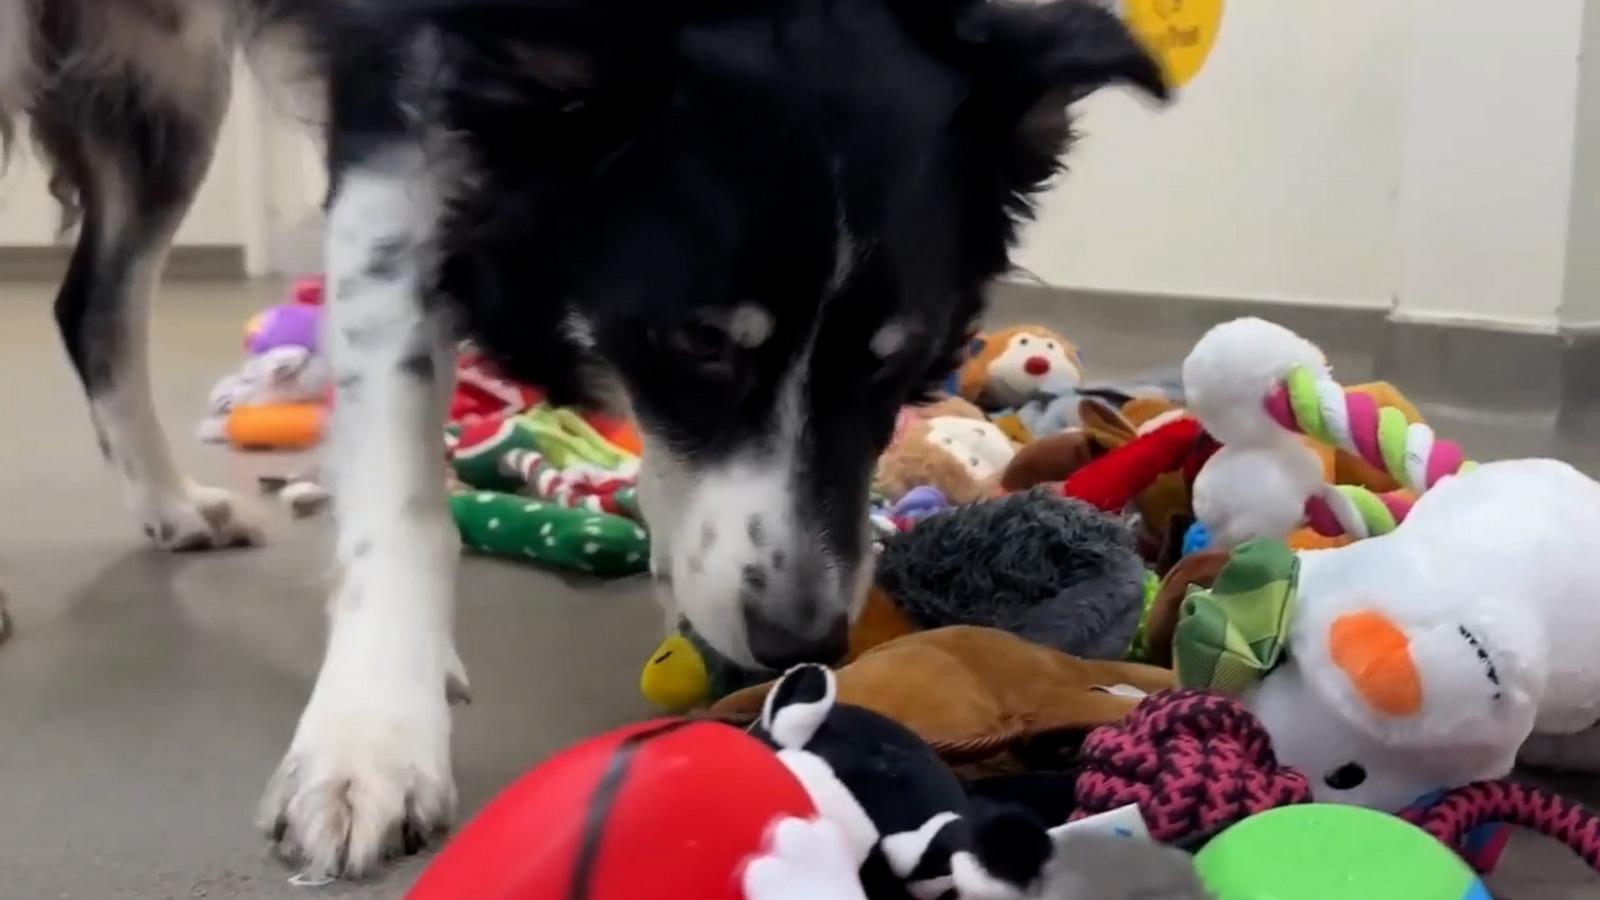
(1120, 690)
(1124, 822)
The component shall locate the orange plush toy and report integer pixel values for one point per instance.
(1005, 368)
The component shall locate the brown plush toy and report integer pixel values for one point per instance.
(948, 445)
(1008, 366)
(974, 693)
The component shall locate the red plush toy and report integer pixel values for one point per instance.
(665, 810)
(1110, 482)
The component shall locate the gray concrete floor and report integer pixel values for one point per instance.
(145, 698)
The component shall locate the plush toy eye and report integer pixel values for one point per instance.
(1049, 345)
(1347, 777)
(1023, 342)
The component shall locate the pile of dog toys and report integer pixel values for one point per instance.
(1251, 605)
(530, 481)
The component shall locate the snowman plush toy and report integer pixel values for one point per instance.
(1424, 655)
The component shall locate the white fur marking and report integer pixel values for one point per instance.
(373, 745)
(888, 340)
(578, 330)
(750, 326)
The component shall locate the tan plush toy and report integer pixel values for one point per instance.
(961, 454)
(1009, 366)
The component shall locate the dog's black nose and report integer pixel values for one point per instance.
(778, 643)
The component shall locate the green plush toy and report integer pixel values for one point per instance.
(513, 526)
(547, 487)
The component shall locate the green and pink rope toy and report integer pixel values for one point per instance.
(1314, 405)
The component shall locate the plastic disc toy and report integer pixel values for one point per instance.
(1323, 851)
(666, 810)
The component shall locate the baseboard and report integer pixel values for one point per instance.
(1494, 367)
(186, 263)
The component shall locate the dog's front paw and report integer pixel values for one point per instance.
(197, 517)
(367, 778)
(805, 859)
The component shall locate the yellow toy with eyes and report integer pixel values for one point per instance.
(1006, 368)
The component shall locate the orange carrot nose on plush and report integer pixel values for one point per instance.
(1375, 655)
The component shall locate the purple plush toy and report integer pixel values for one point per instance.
(291, 324)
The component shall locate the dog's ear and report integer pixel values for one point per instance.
(1031, 61)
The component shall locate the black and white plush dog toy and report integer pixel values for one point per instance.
(908, 821)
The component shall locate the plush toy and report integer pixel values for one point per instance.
(287, 325)
(960, 457)
(1043, 567)
(975, 693)
(1046, 414)
(309, 290)
(544, 485)
(278, 426)
(482, 393)
(657, 811)
(1005, 368)
(284, 378)
(1040, 566)
(1266, 394)
(907, 820)
(517, 527)
(1423, 658)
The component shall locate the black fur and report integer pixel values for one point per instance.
(646, 168)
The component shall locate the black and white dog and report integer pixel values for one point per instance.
(762, 225)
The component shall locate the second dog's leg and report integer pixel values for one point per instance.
(135, 178)
(369, 771)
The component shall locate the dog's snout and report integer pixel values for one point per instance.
(778, 642)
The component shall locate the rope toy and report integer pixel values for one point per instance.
(1193, 761)
(1320, 408)
(1461, 811)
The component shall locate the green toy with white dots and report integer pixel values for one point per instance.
(520, 527)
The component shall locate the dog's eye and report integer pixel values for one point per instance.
(701, 344)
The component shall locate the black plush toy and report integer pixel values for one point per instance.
(913, 827)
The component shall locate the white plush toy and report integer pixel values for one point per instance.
(1417, 659)
(285, 374)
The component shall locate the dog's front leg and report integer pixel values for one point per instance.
(368, 773)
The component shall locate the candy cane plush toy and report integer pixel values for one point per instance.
(1421, 657)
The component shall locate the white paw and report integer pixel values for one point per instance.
(361, 783)
(198, 518)
(368, 774)
(805, 859)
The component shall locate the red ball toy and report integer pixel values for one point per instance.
(663, 810)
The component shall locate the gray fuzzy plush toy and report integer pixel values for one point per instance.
(1044, 567)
